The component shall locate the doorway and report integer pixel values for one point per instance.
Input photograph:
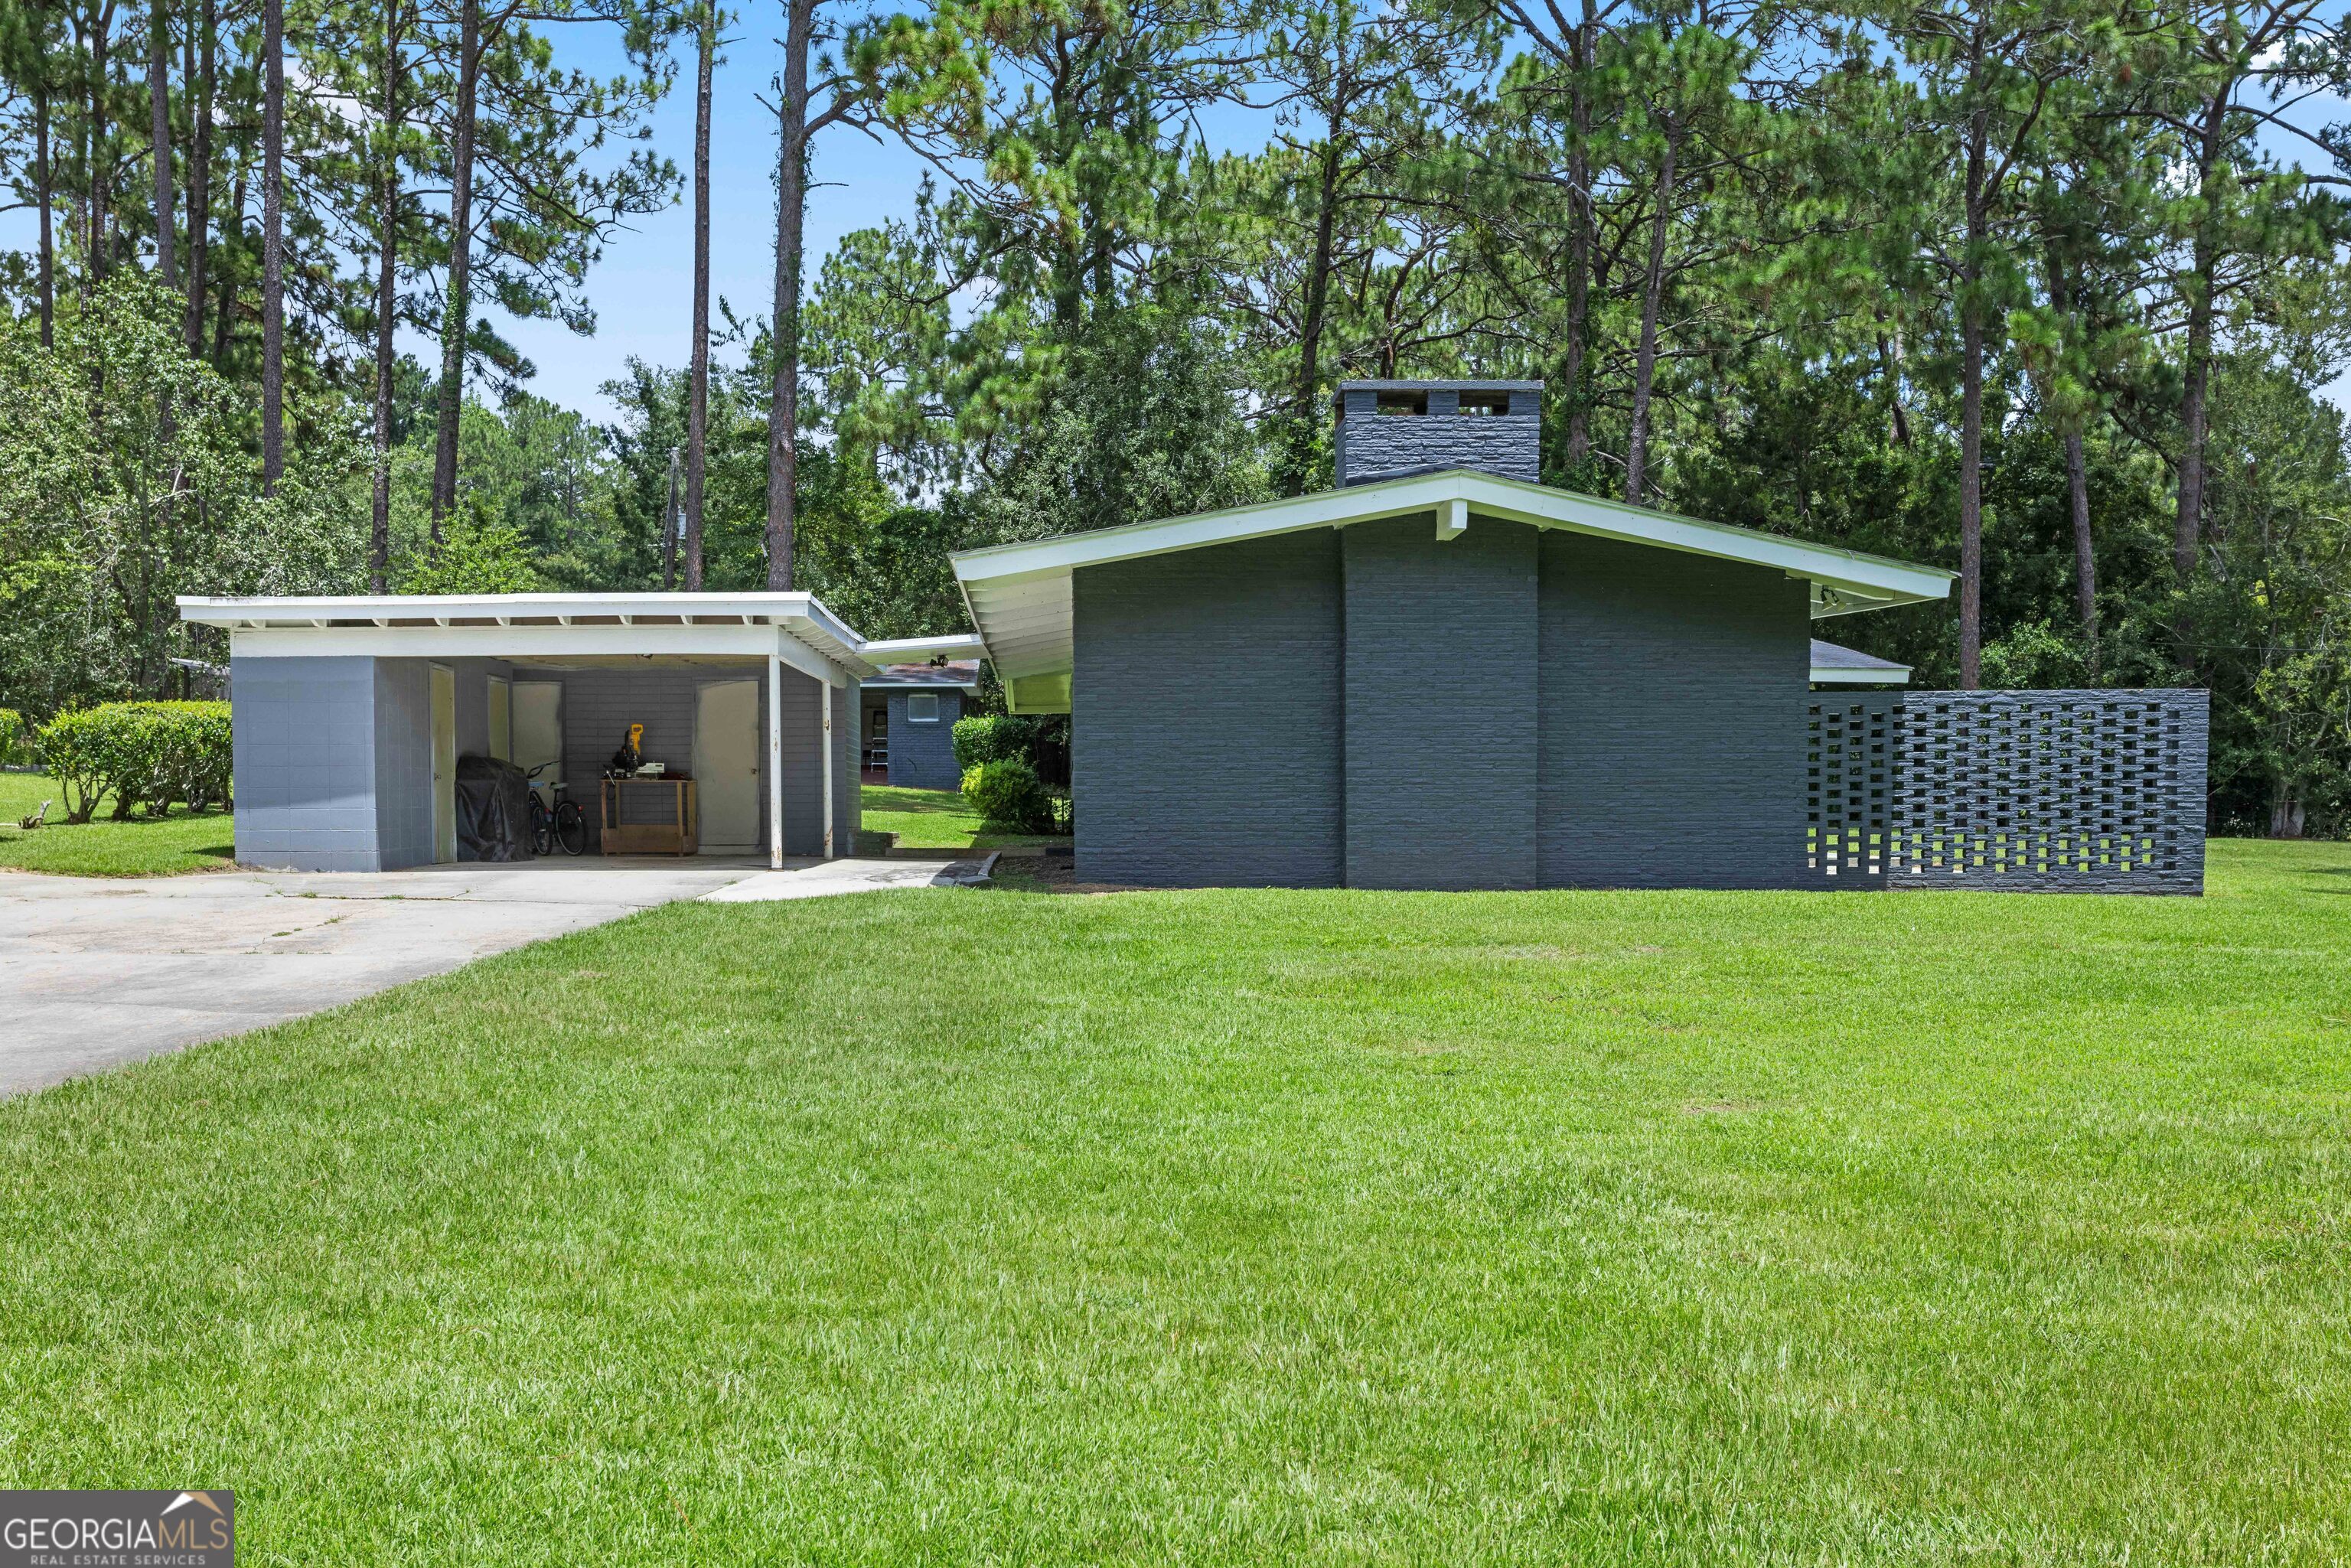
(538, 720)
(727, 765)
(501, 718)
(444, 763)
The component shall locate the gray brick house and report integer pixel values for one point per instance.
(1439, 675)
(908, 713)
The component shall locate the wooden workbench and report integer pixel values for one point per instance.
(681, 835)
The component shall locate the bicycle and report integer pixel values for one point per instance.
(555, 823)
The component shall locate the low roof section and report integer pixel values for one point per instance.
(580, 629)
(938, 664)
(1837, 666)
(1019, 594)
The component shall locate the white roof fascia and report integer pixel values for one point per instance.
(1869, 576)
(921, 650)
(811, 638)
(1874, 676)
(1019, 594)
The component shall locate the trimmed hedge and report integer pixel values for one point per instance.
(12, 736)
(145, 754)
(991, 737)
(1008, 794)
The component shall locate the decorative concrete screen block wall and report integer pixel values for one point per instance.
(2075, 792)
(1849, 782)
(1387, 428)
(2070, 790)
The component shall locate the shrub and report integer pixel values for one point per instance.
(991, 738)
(11, 736)
(1007, 793)
(1042, 739)
(145, 754)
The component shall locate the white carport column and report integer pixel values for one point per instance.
(825, 763)
(776, 760)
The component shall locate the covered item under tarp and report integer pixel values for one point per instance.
(493, 811)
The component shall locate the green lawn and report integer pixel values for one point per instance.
(936, 1228)
(934, 820)
(142, 847)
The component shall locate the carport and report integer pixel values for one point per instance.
(349, 713)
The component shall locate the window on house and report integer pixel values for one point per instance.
(922, 707)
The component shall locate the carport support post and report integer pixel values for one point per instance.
(824, 696)
(776, 760)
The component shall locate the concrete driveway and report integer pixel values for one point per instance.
(101, 971)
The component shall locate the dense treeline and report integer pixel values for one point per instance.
(2044, 292)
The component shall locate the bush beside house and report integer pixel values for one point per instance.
(145, 754)
(1001, 756)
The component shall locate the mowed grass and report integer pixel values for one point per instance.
(144, 846)
(934, 819)
(935, 1227)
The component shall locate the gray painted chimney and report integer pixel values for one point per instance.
(1391, 429)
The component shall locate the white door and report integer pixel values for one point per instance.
(726, 743)
(538, 721)
(444, 763)
(501, 719)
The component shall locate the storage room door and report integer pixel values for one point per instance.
(727, 764)
(539, 730)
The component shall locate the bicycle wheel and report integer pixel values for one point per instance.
(571, 828)
(542, 828)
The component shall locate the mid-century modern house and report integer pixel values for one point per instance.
(1440, 673)
(350, 712)
(906, 722)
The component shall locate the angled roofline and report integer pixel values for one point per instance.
(1511, 500)
(1018, 594)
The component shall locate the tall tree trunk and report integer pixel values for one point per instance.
(273, 244)
(697, 414)
(2085, 563)
(792, 217)
(231, 236)
(2188, 521)
(159, 135)
(457, 309)
(200, 169)
(1971, 367)
(1318, 299)
(387, 279)
(1583, 241)
(48, 180)
(101, 153)
(1653, 294)
(1889, 358)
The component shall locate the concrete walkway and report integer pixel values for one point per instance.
(101, 971)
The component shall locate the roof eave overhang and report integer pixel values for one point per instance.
(1018, 595)
(795, 626)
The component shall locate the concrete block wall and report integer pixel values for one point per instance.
(303, 734)
(404, 763)
(1206, 721)
(1372, 707)
(1670, 747)
(1440, 709)
(1371, 444)
(922, 754)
